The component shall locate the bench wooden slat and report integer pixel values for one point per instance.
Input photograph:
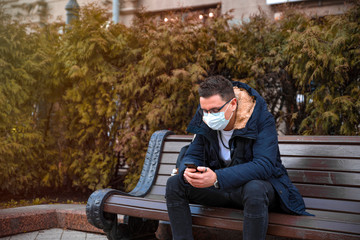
(341, 217)
(316, 223)
(166, 169)
(179, 137)
(297, 139)
(157, 189)
(336, 164)
(161, 180)
(330, 192)
(322, 177)
(169, 158)
(338, 151)
(174, 146)
(332, 205)
(155, 197)
(310, 234)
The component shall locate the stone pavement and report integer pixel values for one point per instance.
(56, 234)
(55, 218)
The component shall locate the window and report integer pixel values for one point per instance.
(200, 13)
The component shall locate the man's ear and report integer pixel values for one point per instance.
(234, 104)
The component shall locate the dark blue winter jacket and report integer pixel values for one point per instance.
(254, 150)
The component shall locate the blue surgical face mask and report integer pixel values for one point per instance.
(216, 121)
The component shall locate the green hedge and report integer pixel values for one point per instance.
(71, 102)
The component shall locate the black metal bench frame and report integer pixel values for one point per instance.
(331, 185)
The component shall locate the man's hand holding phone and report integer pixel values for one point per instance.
(192, 166)
(199, 177)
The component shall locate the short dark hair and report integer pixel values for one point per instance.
(217, 85)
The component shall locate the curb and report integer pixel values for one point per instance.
(33, 218)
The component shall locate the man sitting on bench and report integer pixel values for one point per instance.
(233, 161)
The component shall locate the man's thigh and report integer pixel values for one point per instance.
(211, 196)
(231, 198)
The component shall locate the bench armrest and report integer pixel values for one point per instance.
(151, 164)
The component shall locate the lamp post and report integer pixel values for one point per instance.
(116, 11)
(72, 11)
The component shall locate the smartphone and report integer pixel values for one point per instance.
(191, 165)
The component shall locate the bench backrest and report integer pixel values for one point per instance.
(321, 167)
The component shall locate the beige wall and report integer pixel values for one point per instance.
(242, 9)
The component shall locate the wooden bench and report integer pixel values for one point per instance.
(325, 169)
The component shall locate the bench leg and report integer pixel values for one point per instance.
(133, 227)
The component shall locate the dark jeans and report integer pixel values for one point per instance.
(255, 197)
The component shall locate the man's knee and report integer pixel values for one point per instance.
(173, 185)
(256, 198)
(175, 192)
(256, 190)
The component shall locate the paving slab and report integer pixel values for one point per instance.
(27, 219)
(56, 234)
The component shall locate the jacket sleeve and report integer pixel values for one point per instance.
(194, 154)
(262, 166)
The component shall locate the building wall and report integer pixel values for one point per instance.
(241, 9)
(56, 8)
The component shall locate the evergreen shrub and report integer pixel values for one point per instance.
(71, 103)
